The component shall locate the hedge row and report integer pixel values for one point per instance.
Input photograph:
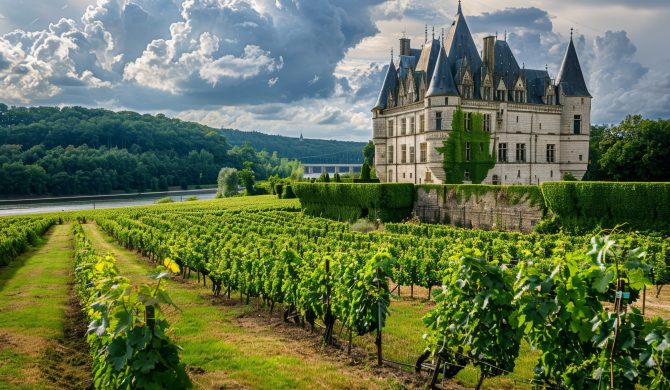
(576, 205)
(344, 201)
(590, 204)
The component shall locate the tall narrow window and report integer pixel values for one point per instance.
(502, 152)
(468, 151)
(468, 121)
(438, 120)
(422, 123)
(411, 154)
(423, 152)
(551, 153)
(521, 152)
(390, 128)
(487, 123)
(403, 154)
(390, 156)
(496, 180)
(466, 175)
(412, 126)
(403, 126)
(577, 124)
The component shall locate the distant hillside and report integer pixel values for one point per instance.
(307, 150)
(75, 150)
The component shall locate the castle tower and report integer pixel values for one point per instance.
(575, 98)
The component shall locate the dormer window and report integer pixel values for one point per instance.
(488, 93)
(520, 96)
(501, 92)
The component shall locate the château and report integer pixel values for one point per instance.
(537, 127)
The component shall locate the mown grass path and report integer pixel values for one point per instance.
(224, 348)
(35, 301)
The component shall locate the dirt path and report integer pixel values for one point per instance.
(225, 347)
(40, 341)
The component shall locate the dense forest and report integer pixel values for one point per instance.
(636, 150)
(74, 150)
(306, 150)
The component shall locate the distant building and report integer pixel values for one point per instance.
(539, 127)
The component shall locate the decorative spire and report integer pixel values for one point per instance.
(505, 35)
(426, 34)
(571, 30)
(391, 54)
(433, 32)
(460, 11)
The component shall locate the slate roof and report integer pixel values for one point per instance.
(442, 82)
(428, 58)
(570, 78)
(505, 66)
(404, 64)
(440, 66)
(459, 45)
(390, 85)
(537, 82)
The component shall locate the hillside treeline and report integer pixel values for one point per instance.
(74, 150)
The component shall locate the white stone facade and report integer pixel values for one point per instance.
(533, 125)
(539, 126)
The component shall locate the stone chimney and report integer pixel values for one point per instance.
(404, 46)
(488, 54)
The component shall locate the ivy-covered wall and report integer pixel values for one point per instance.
(509, 208)
(456, 161)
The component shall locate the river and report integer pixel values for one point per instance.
(48, 205)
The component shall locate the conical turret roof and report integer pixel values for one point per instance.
(442, 83)
(390, 84)
(570, 78)
(460, 45)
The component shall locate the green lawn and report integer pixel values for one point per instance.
(34, 295)
(224, 348)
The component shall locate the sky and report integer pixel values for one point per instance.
(306, 66)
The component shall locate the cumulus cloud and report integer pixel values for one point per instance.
(273, 65)
(623, 86)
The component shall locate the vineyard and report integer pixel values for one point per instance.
(455, 305)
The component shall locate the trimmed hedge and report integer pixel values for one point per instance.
(586, 205)
(344, 201)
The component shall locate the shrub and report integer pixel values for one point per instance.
(343, 201)
(228, 182)
(167, 199)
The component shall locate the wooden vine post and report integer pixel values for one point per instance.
(378, 341)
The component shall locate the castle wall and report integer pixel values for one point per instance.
(490, 211)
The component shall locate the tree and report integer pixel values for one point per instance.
(369, 153)
(248, 178)
(365, 172)
(324, 178)
(635, 150)
(228, 182)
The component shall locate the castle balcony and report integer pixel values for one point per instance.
(480, 104)
(547, 109)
